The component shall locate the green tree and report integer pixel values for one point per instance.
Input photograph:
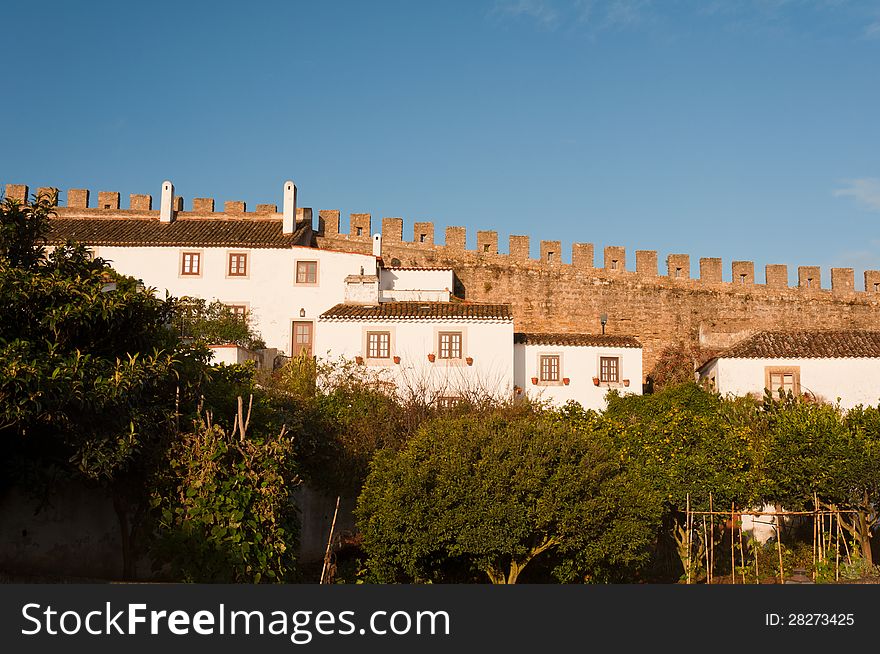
(490, 493)
(683, 445)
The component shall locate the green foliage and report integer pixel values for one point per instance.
(229, 515)
(674, 366)
(488, 493)
(214, 323)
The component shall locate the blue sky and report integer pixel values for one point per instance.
(742, 129)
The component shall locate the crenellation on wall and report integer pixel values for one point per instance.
(392, 230)
(17, 192)
(138, 202)
(551, 252)
(177, 203)
(872, 281)
(646, 263)
(615, 259)
(304, 215)
(234, 207)
(743, 273)
(456, 237)
(487, 242)
(78, 198)
(203, 205)
(423, 233)
(776, 275)
(582, 256)
(360, 226)
(843, 280)
(266, 208)
(108, 200)
(810, 277)
(710, 270)
(678, 266)
(328, 222)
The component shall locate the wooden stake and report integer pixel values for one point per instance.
(706, 548)
(779, 549)
(742, 553)
(687, 523)
(711, 544)
(325, 569)
(837, 552)
(845, 545)
(757, 578)
(815, 526)
(732, 545)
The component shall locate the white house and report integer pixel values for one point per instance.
(831, 366)
(579, 367)
(441, 350)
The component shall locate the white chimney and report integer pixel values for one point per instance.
(288, 224)
(166, 210)
(377, 245)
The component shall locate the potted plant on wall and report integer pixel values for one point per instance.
(359, 360)
(470, 361)
(566, 381)
(396, 359)
(431, 357)
(535, 381)
(626, 382)
(595, 381)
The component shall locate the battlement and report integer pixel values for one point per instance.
(83, 203)
(358, 237)
(677, 267)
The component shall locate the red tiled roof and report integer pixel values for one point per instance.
(584, 340)
(852, 343)
(181, 232)
(419, 311)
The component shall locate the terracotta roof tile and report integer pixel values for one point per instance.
(181, 232)
(419, 311)
(586, 340)
(807, 344)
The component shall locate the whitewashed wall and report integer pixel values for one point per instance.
(408, 285)
(232, 354)
(489, 343)
(580, 364)
(852, 381)
(269, 291)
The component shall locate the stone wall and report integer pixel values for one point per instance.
(658, 309)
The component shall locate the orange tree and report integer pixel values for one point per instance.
(482, 495)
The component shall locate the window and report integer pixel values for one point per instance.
(549, 368)
(306, 272)
(238, 310)
(550, 255)
(360, 231)
(609, 369)
(237, 265)
(742, 279)
(447, 402)
(788, 380)
(677, 273)
(614, 264)
(191, 263)
(378, 345)
(450, 345)
(423, 238)
(877, 287)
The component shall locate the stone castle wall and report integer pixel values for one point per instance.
(660, 309)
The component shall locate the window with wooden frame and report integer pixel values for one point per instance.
(447, 402)
(450, 345)
(786, 379)
(191, 263)
(378, 345)
(306, 272)
(609, 369)
(549, 364)
(237, 264)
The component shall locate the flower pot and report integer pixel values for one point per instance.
(396, 359)
(470, 361)
(431, 358)
(535, 381)
(626, 382)
(566, 381)
(359, 360)
(595, 381)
